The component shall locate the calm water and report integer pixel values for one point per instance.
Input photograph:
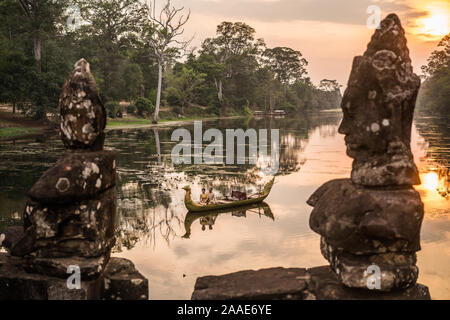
(172, 248)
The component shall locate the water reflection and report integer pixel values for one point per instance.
(433, 152)
(151, 201)
(207, 220)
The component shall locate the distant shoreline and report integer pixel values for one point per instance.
(162, 123)
(16, 127)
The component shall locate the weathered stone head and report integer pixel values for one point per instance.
(83, 116)
(378, 107)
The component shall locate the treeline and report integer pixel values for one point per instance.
(434, 95)
(231, 73)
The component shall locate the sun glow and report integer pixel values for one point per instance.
(436, 23)
(431, 181)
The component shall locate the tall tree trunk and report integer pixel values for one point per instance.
(14, 107)
(270, 101)
(220, 92)
(37, 50)
(219, 87)
(158, 94)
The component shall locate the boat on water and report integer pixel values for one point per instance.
(193, 206)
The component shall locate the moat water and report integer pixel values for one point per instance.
(172, 248)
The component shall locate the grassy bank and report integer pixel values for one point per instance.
(10, 132)
(136, 122)
(128, 122)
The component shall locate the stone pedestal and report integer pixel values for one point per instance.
(319, 283)
(119, 281)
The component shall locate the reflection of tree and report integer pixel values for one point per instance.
(158, 146)
(328, 131)
(143, 225)
(435, 131)
(291, 149)
(444, 182)
(140, 220)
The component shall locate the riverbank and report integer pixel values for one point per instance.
(133, 123)
(14, 126)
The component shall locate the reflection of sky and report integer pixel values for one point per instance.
(434, 258)
(253, 243)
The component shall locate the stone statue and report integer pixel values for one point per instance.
(373, 220)
(378, 107)
(82, 114)
(69, 219)
(72, 206)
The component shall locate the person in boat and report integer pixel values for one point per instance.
(203, 197)
(211, 197)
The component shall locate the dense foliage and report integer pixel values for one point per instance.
(231, 73)
(435, 92)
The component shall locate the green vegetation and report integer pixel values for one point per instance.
(231, 74)
(15, 131)
(142, 107)
(133, 121)
(113, 109)
(130, 121)
(434, 95)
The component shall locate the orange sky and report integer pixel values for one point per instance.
(329, 33)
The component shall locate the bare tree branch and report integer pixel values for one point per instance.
(162, 33)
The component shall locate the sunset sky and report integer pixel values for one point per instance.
(329, 33)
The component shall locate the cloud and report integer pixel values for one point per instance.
(416, 14)
(342, 11)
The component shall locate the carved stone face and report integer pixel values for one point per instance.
(378, 107)
(368, 128)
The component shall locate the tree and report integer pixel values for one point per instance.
(183, 84)
(439, 59)
(286, 63)
(206, 93)
(435, 91)
(41, 16)
(233, 41)
(38, 49)
(108, 32)
(162, 34)
(14, 78)
(133, 81)
(329, 85)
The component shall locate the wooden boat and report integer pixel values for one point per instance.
(195, 207)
